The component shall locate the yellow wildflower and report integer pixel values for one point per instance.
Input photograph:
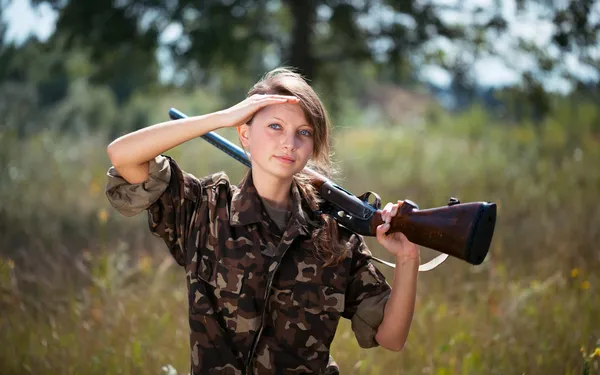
(145, 263)
(574, 272)
(10, 263)
(102, 215)
(94, 189)
(596, 353)
(585, 285)
(534, 284)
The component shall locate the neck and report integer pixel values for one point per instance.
(273, 190)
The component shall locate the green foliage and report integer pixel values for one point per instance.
(252, 36)
(84, 290)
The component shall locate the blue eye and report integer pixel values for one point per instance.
(304, 132)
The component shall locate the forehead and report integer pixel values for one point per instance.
(292, 114)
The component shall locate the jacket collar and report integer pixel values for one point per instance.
(247, 207)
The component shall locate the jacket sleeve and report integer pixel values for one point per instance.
(366, 294)
(169, 195)
(131, 199)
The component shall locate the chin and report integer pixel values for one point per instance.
(283, 174)
(284, 171)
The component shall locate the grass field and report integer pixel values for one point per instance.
(86, 291)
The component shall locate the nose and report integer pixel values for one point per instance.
(288, 141)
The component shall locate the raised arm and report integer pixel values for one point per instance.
(130, 153)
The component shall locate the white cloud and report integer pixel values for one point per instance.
(22, 21)
(493, 72)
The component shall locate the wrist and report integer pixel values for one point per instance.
(220, 119)
(405, 259)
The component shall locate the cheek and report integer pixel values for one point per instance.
(261, 142)
(308, 147)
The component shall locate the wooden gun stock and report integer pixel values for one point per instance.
(461, 230)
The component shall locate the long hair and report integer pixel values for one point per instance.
(285, 81)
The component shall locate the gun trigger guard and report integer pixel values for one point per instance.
(365, 198)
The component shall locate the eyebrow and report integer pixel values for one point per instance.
(310, 126)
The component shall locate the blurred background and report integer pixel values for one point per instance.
(484, 100)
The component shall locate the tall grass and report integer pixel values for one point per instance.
(86, 291)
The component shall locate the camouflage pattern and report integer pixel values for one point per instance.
(260, 302)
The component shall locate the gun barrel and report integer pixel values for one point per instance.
(216, 140)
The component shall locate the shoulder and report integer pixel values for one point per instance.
(216, 187)
(195, 187)
(215, 180)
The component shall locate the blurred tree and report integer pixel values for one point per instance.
(118, 51)
(33, 77)
(572, 54)
(246, 37)
(305, 34)
(39, 64)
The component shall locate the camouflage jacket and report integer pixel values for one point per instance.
(260, 302)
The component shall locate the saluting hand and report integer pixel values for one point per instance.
(242, 112)
(396, 243)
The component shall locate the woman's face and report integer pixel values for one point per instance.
(280, 140)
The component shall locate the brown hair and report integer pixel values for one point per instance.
(285, 81)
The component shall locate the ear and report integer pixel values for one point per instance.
(244, 134)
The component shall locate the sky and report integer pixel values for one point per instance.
(23, 21)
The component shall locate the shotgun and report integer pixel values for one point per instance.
(461, 230)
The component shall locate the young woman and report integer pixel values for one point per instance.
(268, 277)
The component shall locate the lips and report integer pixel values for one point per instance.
(286, 159)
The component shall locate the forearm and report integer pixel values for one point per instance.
(143, 145)
(399, 309)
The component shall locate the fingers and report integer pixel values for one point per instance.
(390, 210)
(385, 213)
(267, 101)
(396, 207)
(275, 98)
(244, 111)
(380, 232)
